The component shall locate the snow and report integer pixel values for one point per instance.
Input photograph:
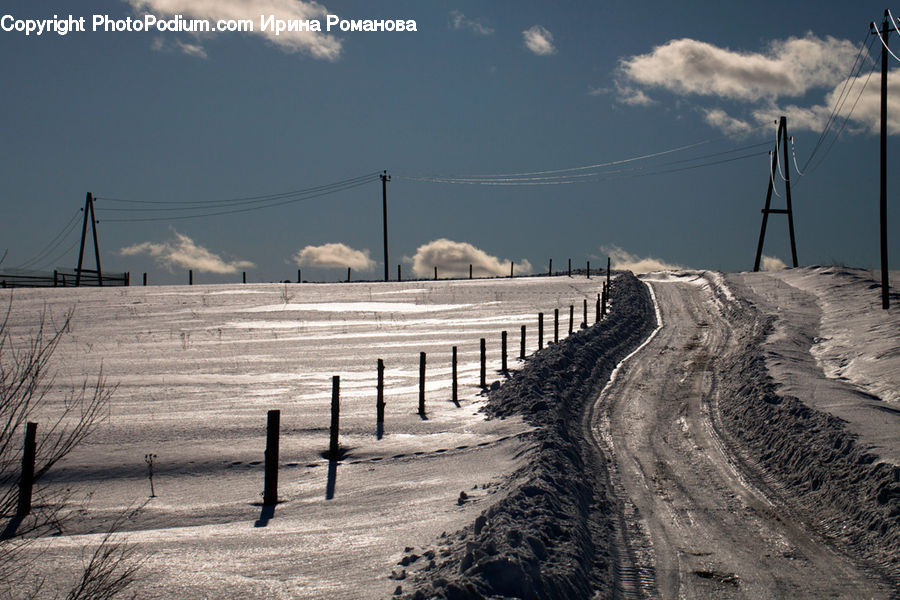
(196, 369)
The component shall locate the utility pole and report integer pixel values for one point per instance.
(384, 179)
(88, 214)
(886, 27)
(767, 210)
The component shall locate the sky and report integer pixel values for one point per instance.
(512, 132)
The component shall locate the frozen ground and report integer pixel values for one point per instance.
(198, 367)
(727, 436)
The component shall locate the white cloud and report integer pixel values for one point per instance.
(788, 67)
(626, 261)
(460, 21)
(772, 263)
(316, 44)
(453, 259)
(539, 40)
(334, 256)
(183, 252)
(721, 120)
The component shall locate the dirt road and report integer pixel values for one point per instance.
(694, 525)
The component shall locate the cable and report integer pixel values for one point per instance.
(846, 120)
(55, 242)
(842, 97)
(881, 39)
(772, 174)
(238, 210)
(246, 199)
(794, 154)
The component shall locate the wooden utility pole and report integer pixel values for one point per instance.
(384, 179)
(88, 214)
(780, 135)
(886, 28)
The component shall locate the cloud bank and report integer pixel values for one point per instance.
(539, 40)
(183, 252)
(453, 259)
(755, 85)
(626, 261)
(315, 44)
(332, 256)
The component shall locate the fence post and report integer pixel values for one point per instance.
(608, 263)
(588, 269)
(455, 385)
(503, 366)
(421, 384)
(55, 277)
(379, 400)
(243, 276)
(597, 313)
(299, 278)
(571, 317)
(483, 363)
(145, 280)
(511, 265)
(550, 269)
(348, 274)
(585, 322)
(603, 301)
(270, 490)
(522, 345)
(190, 277)
(398, 272)
(555, 325)
(26, 483)
(334, 449)
(570, 267)
(540, 330)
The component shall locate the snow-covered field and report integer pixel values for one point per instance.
(196, 369)
(768, 402)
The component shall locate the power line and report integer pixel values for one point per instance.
(54, 243)
(243, 210)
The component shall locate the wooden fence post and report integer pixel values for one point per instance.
(540, 330)
(379, 399)
(421, 384)
(398, 272)
(603, 301)
(571, 317)
(597, 313)
(299, 278)
(588, 269)
(470, 271)
(270, 489)
(455, 385)
(435, 273)
(503, 366)
(555, 325)
(334, 449)
(26, 483)
(243, 276)
(550, 269)
(348, 274)
(145, 280)
(522, 345)
(483, 363)
(585, 322)
(190, 277)
(511, 265)
(570, 267)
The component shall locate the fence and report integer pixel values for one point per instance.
(15, 278)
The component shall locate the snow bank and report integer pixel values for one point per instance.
(550, 536)
(820, 470)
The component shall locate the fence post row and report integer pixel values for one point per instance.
(270, 489)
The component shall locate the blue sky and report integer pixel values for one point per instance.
(478, 89)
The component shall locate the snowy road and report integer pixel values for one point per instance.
(694, 526)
